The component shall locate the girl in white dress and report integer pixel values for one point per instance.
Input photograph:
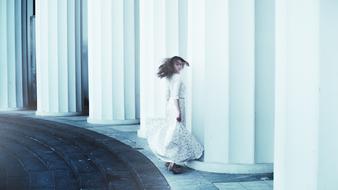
(169, 139)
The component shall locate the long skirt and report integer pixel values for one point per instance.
(169, 139)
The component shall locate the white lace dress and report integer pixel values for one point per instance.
(169, 139)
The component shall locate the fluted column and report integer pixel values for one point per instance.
(297, 94)
(242, 81)
(306, 95)
(160, 32)
(58, 57)
(111, 61)
(264, 80)
(221, 48)
(13, 84)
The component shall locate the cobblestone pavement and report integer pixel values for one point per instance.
(41, 154)
(137, 159)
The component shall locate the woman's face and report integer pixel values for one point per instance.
(178, 66)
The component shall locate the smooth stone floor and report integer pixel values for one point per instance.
(251, 185)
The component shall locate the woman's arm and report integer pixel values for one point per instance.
(177, 105)
(175, 94)
(167, 91)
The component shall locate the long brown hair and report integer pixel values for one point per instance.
(167, 68)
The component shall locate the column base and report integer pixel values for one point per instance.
(113, 122)
(12, 109)
(57, 114)
(142, 133)
(230, 168)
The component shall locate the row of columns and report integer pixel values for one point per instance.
(294, 91)
(218, 39)
(13, 86)
(167, 28)
(111, 60)
(240, 94)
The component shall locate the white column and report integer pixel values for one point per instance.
(216, 92)
(242, 81)
(159, 39)
(196, 57)
(221, 49)
(306, 95)
(111, 61)
(297, 94)
(12, 83)
(58, 58)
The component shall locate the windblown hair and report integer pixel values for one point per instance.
(167, 68)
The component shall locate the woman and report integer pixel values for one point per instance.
(169, 139)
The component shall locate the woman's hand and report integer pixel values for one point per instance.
(178, 118)
(177, 105)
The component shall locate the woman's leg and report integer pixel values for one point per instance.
(176, 169)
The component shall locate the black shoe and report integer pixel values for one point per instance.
(176, 169)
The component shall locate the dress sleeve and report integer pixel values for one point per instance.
(176, 83)
(167, 90)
